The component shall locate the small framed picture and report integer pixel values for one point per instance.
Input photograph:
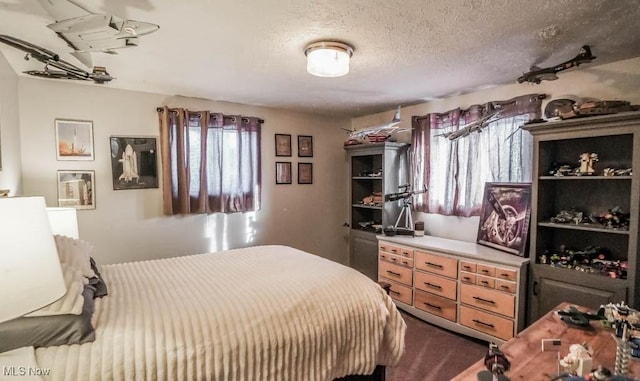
(504, 218)
(305, 173)
(283, 145)
(76, 189)
(134, 162)
(283, 172)
(305, 146)
(74, 139)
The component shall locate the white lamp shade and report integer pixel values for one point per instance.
(328, 59)
(63, 221)
(30, 273)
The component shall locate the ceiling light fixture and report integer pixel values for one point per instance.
(328, 58)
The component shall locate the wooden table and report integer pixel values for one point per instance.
(528, 362)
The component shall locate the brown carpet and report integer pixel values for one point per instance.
(433, 353)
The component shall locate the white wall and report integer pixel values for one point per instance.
(10, 176)
(128, 225)
(615, 81)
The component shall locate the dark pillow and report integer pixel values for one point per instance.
(45, 331)
(97, 281)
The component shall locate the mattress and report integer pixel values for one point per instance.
(259, 313)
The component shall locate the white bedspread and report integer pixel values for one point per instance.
(260, 313)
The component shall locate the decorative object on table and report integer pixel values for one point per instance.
(504, 217)
(578, 361)
(496, 363)
(283, 145)
(4, 192)
(305, 146)
(76, 189)
(587, 160)
(134, 163)
(305, 173)
(573, 317)
(283, 172)
(419, 229)
(74, 139)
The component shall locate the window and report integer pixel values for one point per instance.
(455, 170)
(211, 162)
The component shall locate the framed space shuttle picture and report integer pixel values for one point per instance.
(74, 139)
(134, 162)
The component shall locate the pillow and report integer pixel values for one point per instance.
(45, 331)
(71, 302)
(75, 252)
(97, 281)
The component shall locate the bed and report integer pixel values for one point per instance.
(258, 313)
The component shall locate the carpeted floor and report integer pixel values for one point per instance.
(433, 353)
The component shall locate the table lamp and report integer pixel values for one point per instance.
(30, 272)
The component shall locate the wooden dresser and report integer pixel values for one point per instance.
(461, 286)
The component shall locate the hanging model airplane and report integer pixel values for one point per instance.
(50, 59)
(385, 128)
(537, 75)
(88, 32)
(475, 126)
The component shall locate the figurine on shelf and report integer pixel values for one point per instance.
(615, 218)
(586, 161)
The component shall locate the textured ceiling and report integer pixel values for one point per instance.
(406, 51)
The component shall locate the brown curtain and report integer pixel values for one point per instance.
(210, 162)
(454, 172)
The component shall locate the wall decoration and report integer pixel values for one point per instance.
(283, 172)
(504, 219)
(74, 139)
(305, 146)
(305, 173)
(134, 162)
(283, 145)
(76, 189)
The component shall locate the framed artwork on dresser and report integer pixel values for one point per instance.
(504, 217)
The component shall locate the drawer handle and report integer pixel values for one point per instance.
(484, 300)
(433, 306)
(394, 251)
(467, 267)
(394, 292)
(394, 259)
(433, 265)
(393, 273)
(485, 271)
(433, 285)
(466, 278)
(505, 276)
(504, 287)
(484, 282)
(483, 323)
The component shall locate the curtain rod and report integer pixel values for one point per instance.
(261, 121)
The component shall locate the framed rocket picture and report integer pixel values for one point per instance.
(74, 139)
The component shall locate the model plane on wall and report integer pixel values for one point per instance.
(88, 32)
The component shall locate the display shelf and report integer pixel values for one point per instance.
(563, 178)
(584, 227)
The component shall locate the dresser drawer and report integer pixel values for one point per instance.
(437, 264)
(395, 249)
(506, 274)
(399, 292)
(468, 266)
(435, 305)
(435, 284)
(485, 322)
(506, 286)
(384, 256)
(468, 277)
(490, 300)
(395, 272)
(485, 281)
(486, 270)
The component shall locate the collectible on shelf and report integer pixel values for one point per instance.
(587, 161)
(615, 218)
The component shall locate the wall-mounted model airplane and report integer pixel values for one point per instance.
(537, 75)
(476, 126)
(385, 128)
(88, 32)
(65, 70)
